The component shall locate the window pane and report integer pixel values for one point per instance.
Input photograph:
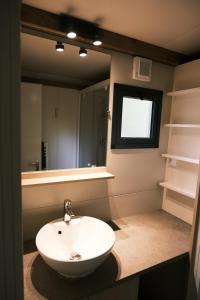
(136, 118)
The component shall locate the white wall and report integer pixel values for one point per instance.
(137, 172)
(187, 76)
(140, 169)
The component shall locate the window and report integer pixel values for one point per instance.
(136, 117)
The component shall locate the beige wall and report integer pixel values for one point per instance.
(187, 76)
(137, 172)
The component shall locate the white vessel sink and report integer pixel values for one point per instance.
(77, 248)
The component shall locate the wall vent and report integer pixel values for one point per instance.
(142, 68)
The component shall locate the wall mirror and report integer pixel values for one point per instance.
(64, 103)
(136, 117)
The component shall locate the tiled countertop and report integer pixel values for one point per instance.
(144, 241)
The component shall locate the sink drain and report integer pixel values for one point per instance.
(74, 256)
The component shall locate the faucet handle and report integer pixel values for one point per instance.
(67, 204)
(67, 218)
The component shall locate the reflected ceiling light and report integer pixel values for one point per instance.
(59, 47)
(97, 41)
(83, 52)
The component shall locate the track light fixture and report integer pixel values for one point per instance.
(83, 52)
(74, 26)
(97, 40)
(60, 47)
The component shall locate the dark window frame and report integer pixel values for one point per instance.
(155, 96)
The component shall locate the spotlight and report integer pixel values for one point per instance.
(59, 47)
(83, 52)
(71, 34)
(97, 41)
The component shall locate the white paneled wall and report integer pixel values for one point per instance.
(60, 126)
(31, 125)
(49, 114)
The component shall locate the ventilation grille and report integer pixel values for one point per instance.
(142, 68)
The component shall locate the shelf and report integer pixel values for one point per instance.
(62, 176)
(184, 92)
(179, 190)
(179, 209)
(182, 158)
(182, 125)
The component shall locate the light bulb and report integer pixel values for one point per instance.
(97, 41)
(59, 47)
(71, 35)
(83, 52)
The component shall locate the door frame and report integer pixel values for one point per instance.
(11, 275)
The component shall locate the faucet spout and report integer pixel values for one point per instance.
(68, 214)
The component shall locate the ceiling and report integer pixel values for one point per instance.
(40, 61)
(172, 24)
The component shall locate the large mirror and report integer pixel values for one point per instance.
(64, 103)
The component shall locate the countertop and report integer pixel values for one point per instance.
(144, 241)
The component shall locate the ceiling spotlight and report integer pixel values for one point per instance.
(83, 52)
(97, 41)
(71, 34)
(59, 47)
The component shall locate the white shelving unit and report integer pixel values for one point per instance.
(183, 156)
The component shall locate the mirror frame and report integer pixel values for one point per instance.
(121, 91)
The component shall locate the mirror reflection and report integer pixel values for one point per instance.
(64, 103)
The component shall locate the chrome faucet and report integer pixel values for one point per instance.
(68, 214)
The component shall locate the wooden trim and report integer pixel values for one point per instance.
(39, 20)
(11, 275)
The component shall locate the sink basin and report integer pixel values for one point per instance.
(77, 248)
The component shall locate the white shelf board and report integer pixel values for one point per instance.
(184, 92)
(178, 209)
(67, 178)
(182, 125)
(62, 176)
(182, 158)
(180, 190)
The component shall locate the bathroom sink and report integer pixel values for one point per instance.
(77, 248)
